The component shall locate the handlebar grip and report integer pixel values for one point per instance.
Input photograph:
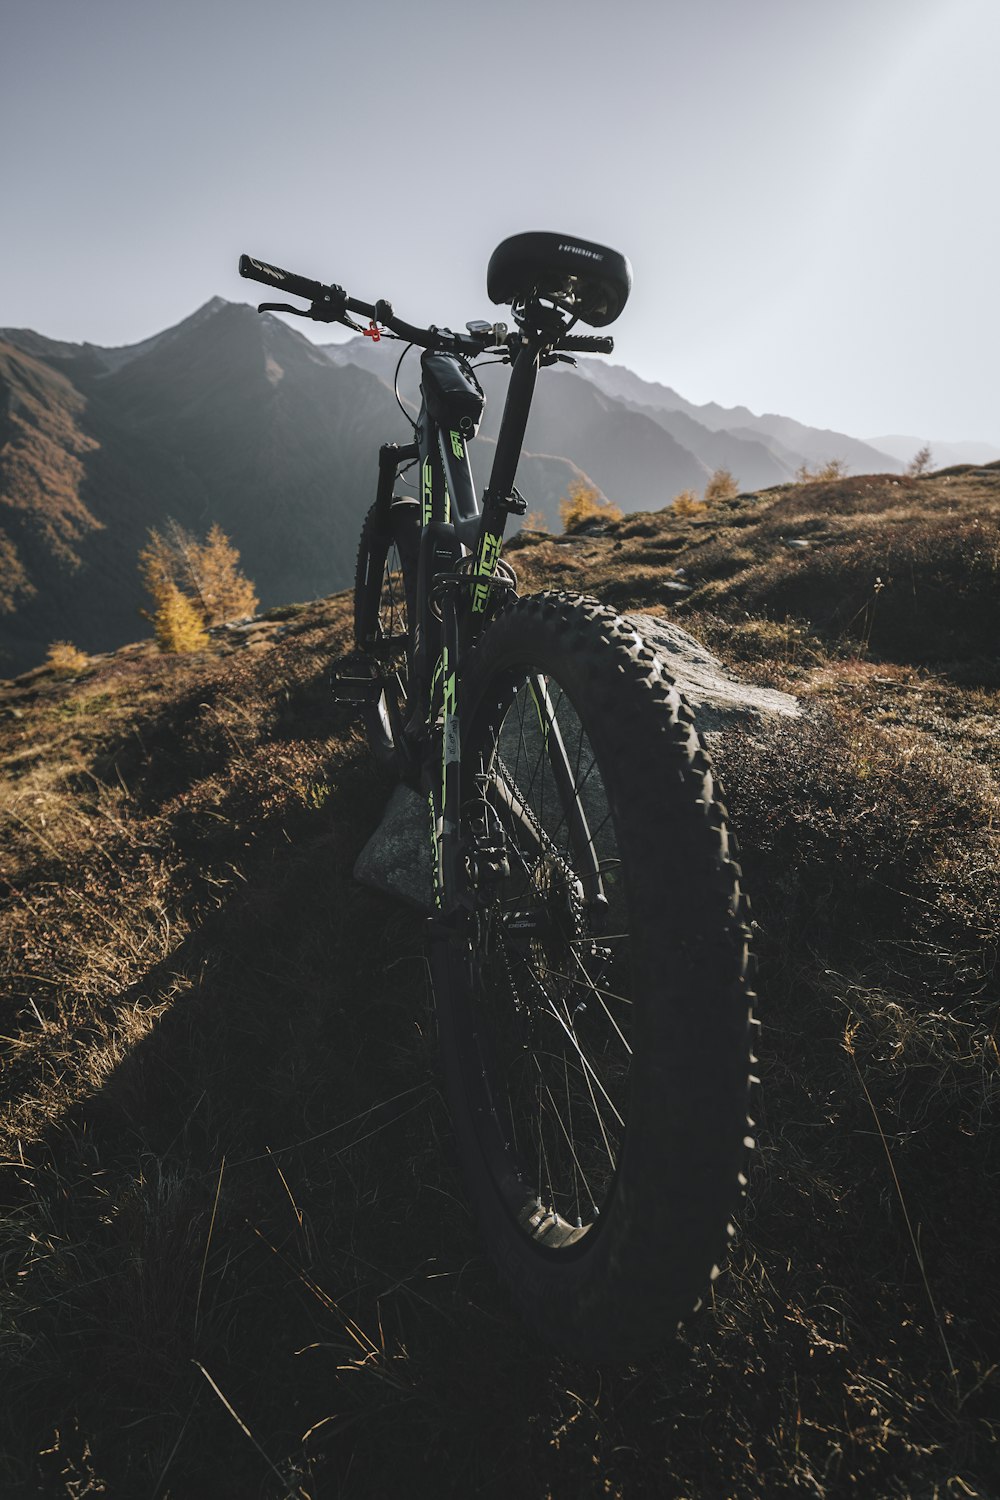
(584, 343)
(284, 281)
(384, 314)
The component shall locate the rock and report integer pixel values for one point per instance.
(718, 699)
(397, 858)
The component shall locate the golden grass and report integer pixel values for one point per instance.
(236, 1250)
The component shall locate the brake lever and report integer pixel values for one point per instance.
(317, 312)
(348, 322)
(285, 307)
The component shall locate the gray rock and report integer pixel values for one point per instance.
(718, 699)
(397, 858)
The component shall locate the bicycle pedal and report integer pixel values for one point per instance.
(356, 689)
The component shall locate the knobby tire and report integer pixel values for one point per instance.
(598, 1079)
(385, 584)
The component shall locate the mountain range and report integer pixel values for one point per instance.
(234, 418)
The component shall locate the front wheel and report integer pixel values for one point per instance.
(593, 1006)
(385, 585)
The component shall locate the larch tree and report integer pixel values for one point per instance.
(193, 585)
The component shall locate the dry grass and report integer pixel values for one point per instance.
(902, 569)
(237, 1257)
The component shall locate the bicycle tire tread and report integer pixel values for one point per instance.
(379, 532)
(692, 1073)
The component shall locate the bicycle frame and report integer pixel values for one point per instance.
(453, 601)
(452, 519)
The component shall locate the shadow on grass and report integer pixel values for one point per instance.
(260, 1207)
(245, 1266)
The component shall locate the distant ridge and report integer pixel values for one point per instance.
(789, 443)
(232, 417)
(624, 453)
(943, 454)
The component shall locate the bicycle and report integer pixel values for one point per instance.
(588, 942)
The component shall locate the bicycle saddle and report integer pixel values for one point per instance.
(593, 281)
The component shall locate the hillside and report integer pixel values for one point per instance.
(237, 1250)
(227, 417)
(43, 450)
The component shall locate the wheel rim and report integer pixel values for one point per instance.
(549, 1021)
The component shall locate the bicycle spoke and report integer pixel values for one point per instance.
(592, 987)
(568, 1135)
(562, 1085)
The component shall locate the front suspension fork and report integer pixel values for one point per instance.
(452, 889)
(444, 766)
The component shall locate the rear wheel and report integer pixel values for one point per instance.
(594, 1014)
(384, 602)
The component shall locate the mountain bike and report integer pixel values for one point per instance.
(588, 941)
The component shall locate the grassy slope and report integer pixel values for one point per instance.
(227, 1172)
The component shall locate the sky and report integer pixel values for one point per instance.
(807, 191)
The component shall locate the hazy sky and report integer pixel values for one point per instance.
(807, 189)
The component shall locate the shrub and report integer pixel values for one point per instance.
(65, 659)
(834, 468)
(920, 462)
(688, 504)
(582, 502)
(721, 486)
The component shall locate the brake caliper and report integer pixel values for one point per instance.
(485, 851)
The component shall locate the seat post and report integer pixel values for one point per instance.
(517, 409)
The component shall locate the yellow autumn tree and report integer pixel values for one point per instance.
(206, 576)
(224, 590)
(177, 621)
(687, 504)
(721, 486)
(583, 502)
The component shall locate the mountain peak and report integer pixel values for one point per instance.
(213, 305)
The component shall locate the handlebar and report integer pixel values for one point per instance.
(331, 304)
(427, 338)
(283, 281)
(584, 343)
